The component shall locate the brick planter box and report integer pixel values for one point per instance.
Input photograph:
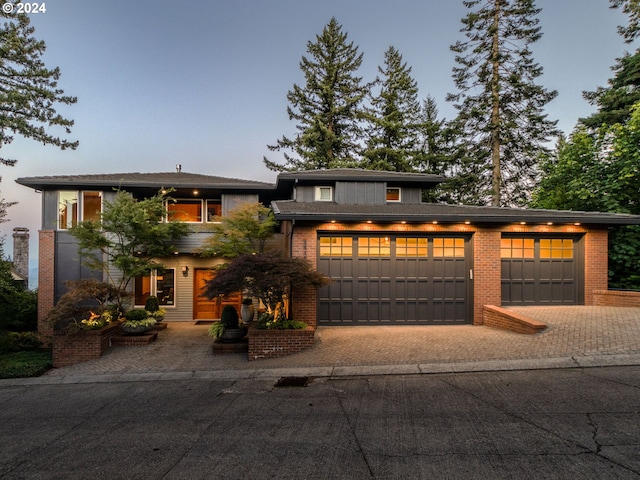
(278, 343)
(69, 349)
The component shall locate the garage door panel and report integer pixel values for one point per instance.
(397, 285)
(540, 270)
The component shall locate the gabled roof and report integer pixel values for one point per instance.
(442, 213)
(285, 179)
(142, 180)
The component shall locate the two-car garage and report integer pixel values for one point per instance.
(409, 279)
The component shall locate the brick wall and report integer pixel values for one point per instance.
(69, 349)
(487, 288)
(503, 319)
(596, 259)
(615, 298)
(278, 343)
(46, 279)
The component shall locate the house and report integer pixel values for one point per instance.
(393, 259)
(68, 199)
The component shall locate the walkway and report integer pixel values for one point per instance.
(576, 336)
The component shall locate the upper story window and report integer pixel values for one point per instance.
(214, 209)
(75, 206)
(191, 210)
(324, 194)
(182, 210)
(393, 194)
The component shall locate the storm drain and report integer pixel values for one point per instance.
(293, 382)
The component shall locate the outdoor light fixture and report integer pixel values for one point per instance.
(185, 271)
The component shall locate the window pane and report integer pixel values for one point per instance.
(448, 247)
(411, 247)
(185, 211)
(214, 209)
(516, 248)
(91, 206)
(336, 246)
(374, 247)
(67, 209)
(393, 194)
(165, 287)
(556, 248)
(323, 194)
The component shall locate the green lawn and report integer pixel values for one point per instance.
(25, 364)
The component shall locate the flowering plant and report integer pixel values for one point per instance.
(157, 314)
(96, 321)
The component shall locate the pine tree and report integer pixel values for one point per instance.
(616, 101)
(394, 121)
(28, 89)
(328, 108)
(632, 9)
(501, 123)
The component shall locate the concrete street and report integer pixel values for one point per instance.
(552, 424)
(421, 402)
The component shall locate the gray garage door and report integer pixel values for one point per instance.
(381, 279)
(541, 270)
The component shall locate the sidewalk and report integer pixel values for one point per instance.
(577, 336)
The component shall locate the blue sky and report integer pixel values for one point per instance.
(203, 83)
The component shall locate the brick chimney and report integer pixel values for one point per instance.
(21, 252)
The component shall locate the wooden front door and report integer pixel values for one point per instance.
(205, 309)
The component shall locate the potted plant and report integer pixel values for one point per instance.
(246, 311)
(152, 306)
(137, 321)
(228, 328)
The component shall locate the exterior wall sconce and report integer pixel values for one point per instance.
(185, 271)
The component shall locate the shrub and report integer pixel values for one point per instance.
(267, 322)
(229, 317)
(136, 314)
(247, 301)
(152, 304)
(19, 342)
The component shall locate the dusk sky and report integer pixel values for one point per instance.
(203, 83)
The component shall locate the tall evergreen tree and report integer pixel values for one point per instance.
(501, 119)
(29, 90)
(615, 102)
(328, 108)
(632, 9)
(394, 121)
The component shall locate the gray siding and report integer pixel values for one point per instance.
(69, 264)
(50, 209)
(361, 193)
(230, 201)
(411, 195)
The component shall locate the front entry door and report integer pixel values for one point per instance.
(205, 309)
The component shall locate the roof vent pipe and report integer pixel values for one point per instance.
(178, 168)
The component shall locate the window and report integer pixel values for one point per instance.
(67, 209)
(336, 246)
(74, 206)
(374, 247)
(185, 211)
(91, 206)
(161, 284)
(448, 247)
(517, 248)
(556, 248)
(393, 194)
(214, 209)
(324, 194)
(411, 247)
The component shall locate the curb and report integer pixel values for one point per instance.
(340, 371)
